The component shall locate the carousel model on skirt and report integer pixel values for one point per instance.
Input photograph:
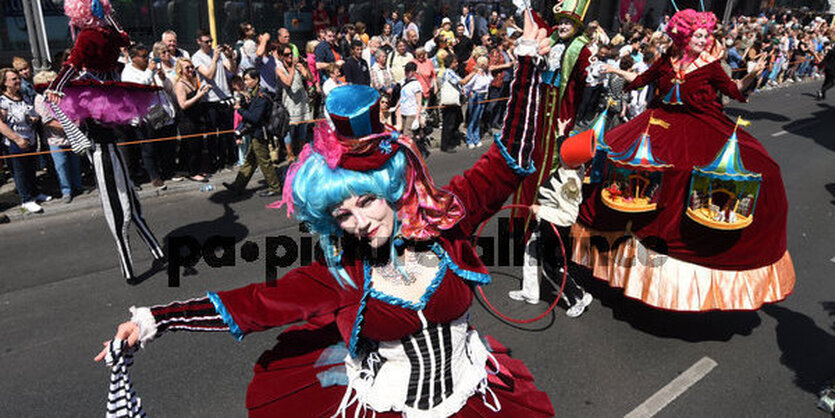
(88, 94)
(385, 326)
(676, 215)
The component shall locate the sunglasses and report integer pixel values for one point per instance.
(204, 41)
(189, 68)
(287, 54)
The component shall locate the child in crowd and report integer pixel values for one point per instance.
(476, 89)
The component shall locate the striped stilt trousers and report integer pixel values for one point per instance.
(120, 204)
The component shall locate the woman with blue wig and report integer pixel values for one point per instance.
(384, 314)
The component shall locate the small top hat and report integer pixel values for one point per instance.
(355, 111)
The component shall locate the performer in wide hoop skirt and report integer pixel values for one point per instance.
(692, 213)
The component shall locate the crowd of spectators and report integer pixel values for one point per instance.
(456, 72)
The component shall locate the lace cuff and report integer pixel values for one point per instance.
(143, 318)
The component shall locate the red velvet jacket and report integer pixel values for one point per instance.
(310, 293)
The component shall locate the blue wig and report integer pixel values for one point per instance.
(318, 189)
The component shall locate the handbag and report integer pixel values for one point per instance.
(157, 117)
(450, 96)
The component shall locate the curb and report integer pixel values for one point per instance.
(90, 200)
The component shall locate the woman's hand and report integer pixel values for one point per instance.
(562, 125)
(607, 69)
(535, 210)
(204, 89)
(53, 97)
(127, 331)
(20, 141)
(532, 31)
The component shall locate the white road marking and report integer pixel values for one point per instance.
(832, 259)
(674, 389)
(779, 133)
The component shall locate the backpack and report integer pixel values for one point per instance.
(278, 122)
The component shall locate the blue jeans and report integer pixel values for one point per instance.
(775, 71)
(68, 168)
(24, 176)
(474, 112)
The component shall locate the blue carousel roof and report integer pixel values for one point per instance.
(599, 128)
(639, 155)
(728, 165)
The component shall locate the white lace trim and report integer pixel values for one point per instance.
(143, 318)
(470, 378)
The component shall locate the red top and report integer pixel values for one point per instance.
(698, 92)
(98, 49)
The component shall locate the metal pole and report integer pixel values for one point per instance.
(40, 28)
(729, 7)
(212, 22)
(32, 32)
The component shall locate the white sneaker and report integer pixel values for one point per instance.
(478, 144)
(470, 146)
(580, 306)
(43, 198)
(32, 207)
(522, 297)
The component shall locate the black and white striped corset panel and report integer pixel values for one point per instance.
(430, 373)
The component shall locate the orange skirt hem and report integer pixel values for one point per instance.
(664, 282)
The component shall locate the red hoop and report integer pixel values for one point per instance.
(562, 287)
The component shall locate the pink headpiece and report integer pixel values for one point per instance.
(424, 208)
(684, 23)
(83, 13)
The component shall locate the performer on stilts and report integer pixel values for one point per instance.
(87, 93)
(385, 325)
(563, 82)
(672, 256)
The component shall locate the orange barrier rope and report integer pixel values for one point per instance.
(204, 134)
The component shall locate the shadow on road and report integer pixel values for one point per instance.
(226, 225)
(511, 308)
(686, 326)
(755, 116)
(807, 349)
(813, 128)
(830, 187)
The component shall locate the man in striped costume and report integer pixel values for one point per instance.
(563, 82)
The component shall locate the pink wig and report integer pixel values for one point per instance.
(80, 12)
(687, 21)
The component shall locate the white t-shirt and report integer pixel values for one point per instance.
(408, 98)
(220, 84)
(132, 74)
(329, 85)
(479, 84)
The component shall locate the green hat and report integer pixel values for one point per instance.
(572, 9)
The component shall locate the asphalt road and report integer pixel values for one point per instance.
(61, 295)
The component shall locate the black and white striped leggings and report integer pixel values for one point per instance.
(120, 204)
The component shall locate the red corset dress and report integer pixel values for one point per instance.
(703, 269)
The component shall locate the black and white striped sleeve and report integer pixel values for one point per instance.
(199, 314)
